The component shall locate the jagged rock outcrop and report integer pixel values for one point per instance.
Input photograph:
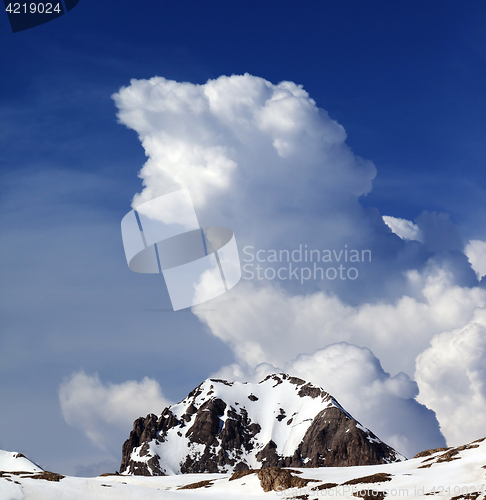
(230, 426)
(278, 479)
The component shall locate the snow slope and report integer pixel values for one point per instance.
(455, 473)
(11, 461)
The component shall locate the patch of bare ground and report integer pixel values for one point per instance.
(200, 484)
(324, 486)
(48, 476)
(380, 477)
(242, 473)
(16, 473)
(468, 496)
(109, 474)
(426, 453)
(449, 455)
(479, 440)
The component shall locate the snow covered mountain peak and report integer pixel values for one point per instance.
(11, 461)
(225, 426)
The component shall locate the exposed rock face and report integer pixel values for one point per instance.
(333, 430)
(278, 479)
(225, 427)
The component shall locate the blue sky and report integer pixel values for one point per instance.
(406, 81)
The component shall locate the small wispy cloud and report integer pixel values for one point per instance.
(403, 228)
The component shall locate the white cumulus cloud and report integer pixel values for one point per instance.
(247, 149)
(266, 328)
(354, 376)
(265, 160)
(451, 375)
(476, 253)
(105, 412)
(265, 324)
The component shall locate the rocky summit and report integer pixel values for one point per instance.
(225, 426)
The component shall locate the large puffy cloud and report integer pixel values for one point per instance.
(451, 375)
(215, 137)
(260, 158)
(267, 324)
(264, 160)
(105, 412)
(384, 403)
(267, 327)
